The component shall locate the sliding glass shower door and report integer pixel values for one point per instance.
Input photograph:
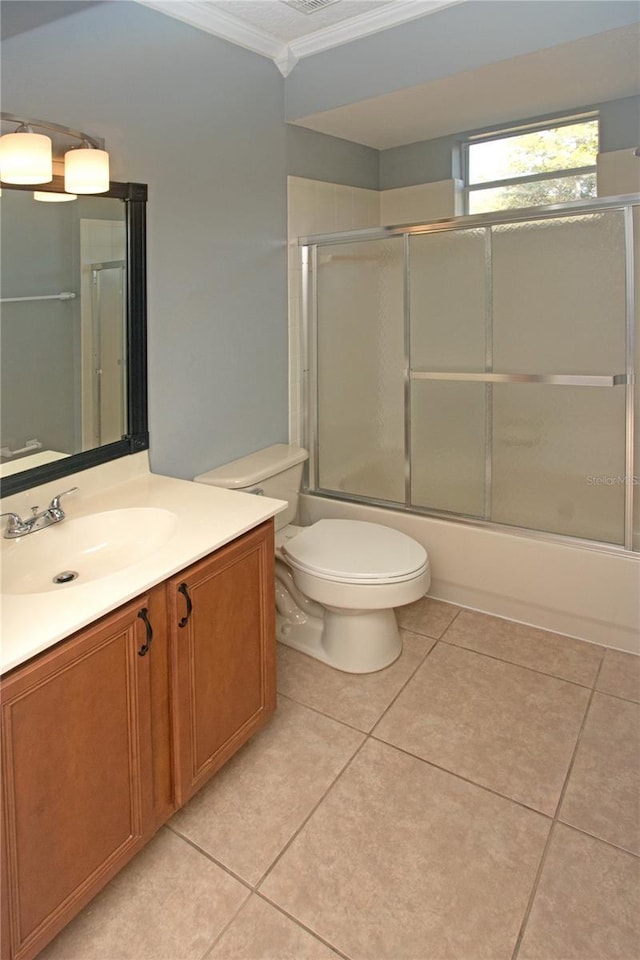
(559, 311)
(360, 368)
(481, 369)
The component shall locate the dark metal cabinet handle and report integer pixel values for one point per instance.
(185, 593)
(145, 619)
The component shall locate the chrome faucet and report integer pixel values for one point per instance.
(17, 527)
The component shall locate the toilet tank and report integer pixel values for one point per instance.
(275, 472)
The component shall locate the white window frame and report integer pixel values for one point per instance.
(517, 131)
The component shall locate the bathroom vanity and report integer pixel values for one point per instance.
(109, 730)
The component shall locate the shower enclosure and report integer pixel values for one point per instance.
(479, 369)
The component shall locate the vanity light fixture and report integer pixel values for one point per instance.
(27, 157)
(50, 197)
(86, 169)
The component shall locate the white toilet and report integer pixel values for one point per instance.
(337, 581)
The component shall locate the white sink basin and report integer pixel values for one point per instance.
(91, 547)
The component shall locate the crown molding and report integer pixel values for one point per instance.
(205, 16)
(401, 11)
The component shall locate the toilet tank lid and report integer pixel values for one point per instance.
(255, 467)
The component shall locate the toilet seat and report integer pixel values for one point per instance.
(354, 551)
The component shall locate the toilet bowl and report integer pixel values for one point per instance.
(337, 581)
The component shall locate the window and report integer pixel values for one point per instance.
(532, 166)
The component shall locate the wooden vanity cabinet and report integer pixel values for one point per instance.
(105, 735)
(222, 624)
(77, 779)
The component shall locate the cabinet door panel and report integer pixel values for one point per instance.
(224, 655)
(76, 773)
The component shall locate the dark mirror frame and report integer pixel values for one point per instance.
(134, 196)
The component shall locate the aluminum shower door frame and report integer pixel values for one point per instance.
(309, 252)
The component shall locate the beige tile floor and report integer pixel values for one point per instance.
(477, 800)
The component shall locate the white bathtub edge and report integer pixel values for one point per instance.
(565, 588)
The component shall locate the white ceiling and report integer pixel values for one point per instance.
(281, 21)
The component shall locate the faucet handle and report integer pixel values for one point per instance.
(54, 506)
(15, 526)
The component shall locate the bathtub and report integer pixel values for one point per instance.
(571, 589)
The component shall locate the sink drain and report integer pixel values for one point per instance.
(66, 576)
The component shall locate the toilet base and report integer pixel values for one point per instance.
(354, 641)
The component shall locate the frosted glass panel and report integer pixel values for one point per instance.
(360, 352)
(559, 295)
(448, 446)
(540, 297)
(447, 300)
(558, 459)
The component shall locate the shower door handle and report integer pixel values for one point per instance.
(553, 379)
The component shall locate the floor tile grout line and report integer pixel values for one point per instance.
(543, 859)
(503, 796)
(303, 926)
(593, 836)
(321, 713)
(306, 819)
(523, 666)
(252, 890)
(574, 753)
(229, 923)
(427, 636)
(460, 776)
(617, 696)
(534, 891)
(208, 856)
(351, 726)
(529, 626)
(403, 687)
(451, 623)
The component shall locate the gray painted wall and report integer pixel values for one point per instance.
(438, 159)
(320, 157)
(461, 37)
(200, 121)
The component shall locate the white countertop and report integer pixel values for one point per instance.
(207, 518)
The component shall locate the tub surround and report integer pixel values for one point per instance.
(206, 519)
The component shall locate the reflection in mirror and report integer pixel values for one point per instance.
(63, 316)
(73, 374)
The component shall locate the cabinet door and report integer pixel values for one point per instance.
(222, 622)
(76, 773)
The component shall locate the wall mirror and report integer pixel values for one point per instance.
(73, 383)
